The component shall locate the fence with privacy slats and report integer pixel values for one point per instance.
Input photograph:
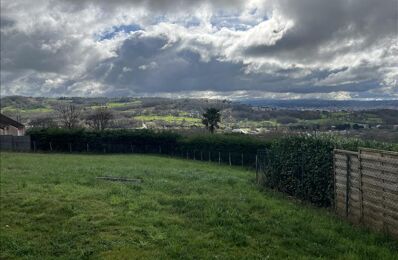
(14, 143)
(366, 188)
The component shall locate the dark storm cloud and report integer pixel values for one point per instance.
(318, 23)
(155, 5)
(155, 69)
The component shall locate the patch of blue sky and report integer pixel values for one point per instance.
(109, 34)
(192, 22)
(233, 21)
(158, 19)
(229, 22)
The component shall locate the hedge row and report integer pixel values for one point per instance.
(302, 166)
(147, 141)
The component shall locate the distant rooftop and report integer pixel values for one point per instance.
(5, 120)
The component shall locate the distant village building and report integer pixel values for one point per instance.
(9, 126)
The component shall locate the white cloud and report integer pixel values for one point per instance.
(257, 46)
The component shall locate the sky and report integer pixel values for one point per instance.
(281, 49)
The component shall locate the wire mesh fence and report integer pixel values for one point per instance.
(232, 158)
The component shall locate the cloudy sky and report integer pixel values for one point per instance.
(340, 49)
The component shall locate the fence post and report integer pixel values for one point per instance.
(87, 147)
(201, 155)
(360, 186)
(187, 155)
(209, 156)
(334, 181)
(383, 197)
(70, 147)
(51, 147)
(219, 157)
(34, 146)
(194, 157)
(256, 162)
(347, 197)
(229, 155)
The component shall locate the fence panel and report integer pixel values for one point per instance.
(366, 188)
(261, 164)
(15, 143)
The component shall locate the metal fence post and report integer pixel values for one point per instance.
(51, 147)
(219, 157)
(256, 163)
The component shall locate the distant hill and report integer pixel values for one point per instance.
(323, 104)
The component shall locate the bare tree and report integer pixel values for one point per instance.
(100, 118)
(69, 115)
(43, 122)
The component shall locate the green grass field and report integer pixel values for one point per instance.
(169, 119)
(52, 206)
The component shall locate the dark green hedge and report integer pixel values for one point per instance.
(302, 166)
(200, 146)
(117, 141)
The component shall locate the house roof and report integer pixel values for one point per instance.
(5, 120)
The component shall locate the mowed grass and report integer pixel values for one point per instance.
(52, 206)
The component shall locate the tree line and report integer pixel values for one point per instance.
(71, 115)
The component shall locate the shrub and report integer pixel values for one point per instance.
(302, 166)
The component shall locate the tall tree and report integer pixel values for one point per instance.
(100, 118)
(211, 118)
(69, 115)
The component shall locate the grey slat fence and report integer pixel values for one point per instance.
(366, 188)
(15, 143)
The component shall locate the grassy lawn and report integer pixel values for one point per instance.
(52, 206)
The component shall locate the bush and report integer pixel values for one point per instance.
(302, 166)
(115, 141)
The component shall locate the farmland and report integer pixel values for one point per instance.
(53, 206)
